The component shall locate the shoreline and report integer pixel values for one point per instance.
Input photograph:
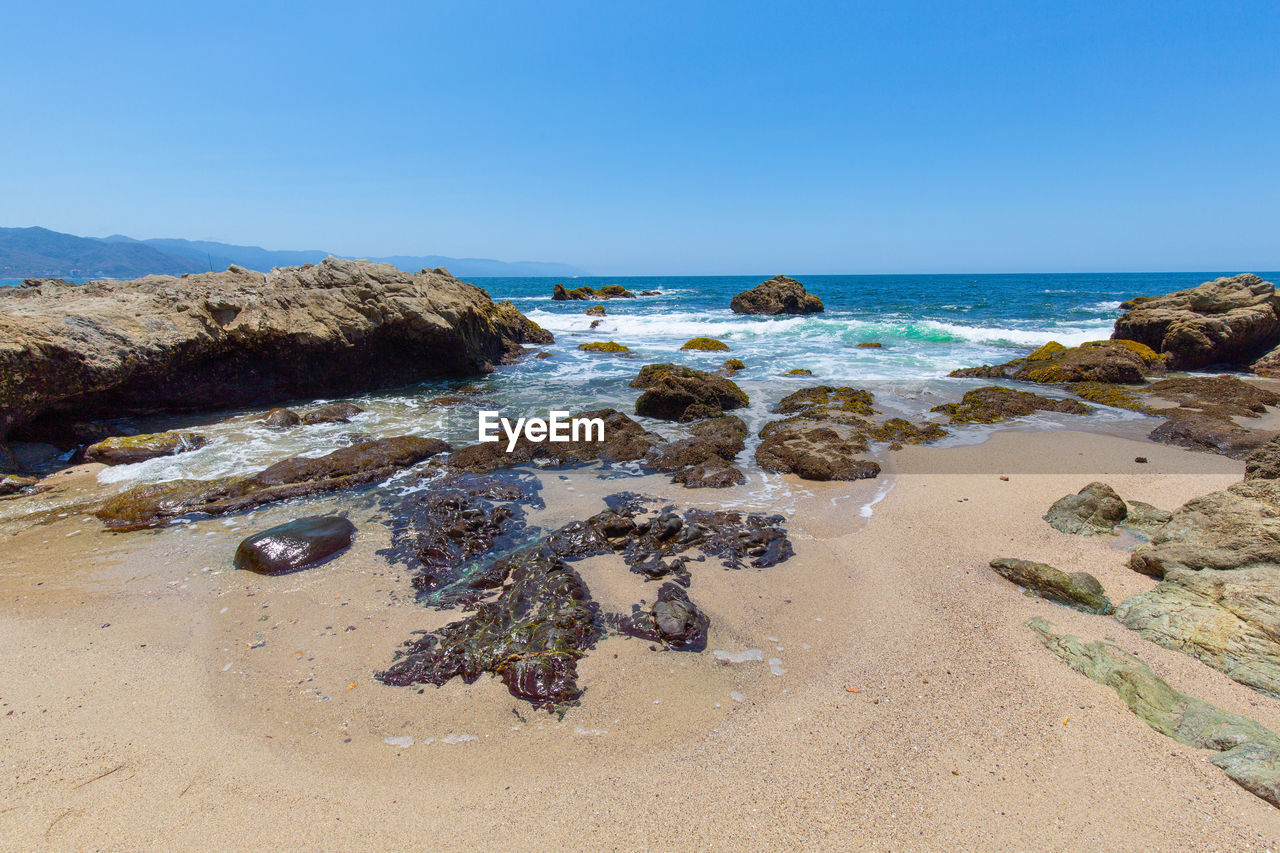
(204, 753)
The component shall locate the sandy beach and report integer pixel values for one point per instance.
(153, 697)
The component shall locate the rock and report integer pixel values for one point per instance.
(1093, 510)
(1225, 618)
(1268, 365)
(733, 365)
(281, 418)
(704, 459)
(608, 347)
(651, 293)
(126, 450)
(1264, 463)
(334, 413)
(1145, 518)
(1208, 431)
(673, 620)
(673, 392)
(814, 451)
(899, 431)
(705, 345)
(1078, 590)
(710, 475)
(296, 545)
(610, 291)
(595, 311)
(1227, 321)
(799, 371)
(824, 402)
(624, 441)
(870, 345)
(1238, 528)
(156, 504)
(1109, 395)
(1221, 395)
(1230, 320)
(992, 404)
(778, 295)
(11, 484)
(1115, 361)
(240, 338)
(1246, 748)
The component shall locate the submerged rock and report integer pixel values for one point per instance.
(1247, 750)
(126, 450)
(1227, 619)
(296, 545)
(240, 338)
(1223, 395)
(334, 413)
(156, 504)
(778, 295)
(280, 418)
(1227, 321)
(1093, 510)
(992, 404)
(673, 392)
(821, 402)
(1078, 590)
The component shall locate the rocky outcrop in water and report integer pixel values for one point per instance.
(157, 504)
(993, 404)
(1227, 321)
(778, 295)
(1249, 753)
(673, 392)
(239, 338)
(624, 441)
(1116, 361)
(126, 450)
(610, 291)
(1078, 590)
(295, 545)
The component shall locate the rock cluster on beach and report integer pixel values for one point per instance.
(673, 392)
(1097, 509)
(239, 338)
(778, 295)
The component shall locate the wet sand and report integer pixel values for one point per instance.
(153, 697)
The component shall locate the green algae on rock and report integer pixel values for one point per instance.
(733, 365)
(1112, 361)
(821, 400)
(674, 392)
(992, 404)
(1078, 590)
(610, 291)
(609, 347)
(705, 345)
(127, 450)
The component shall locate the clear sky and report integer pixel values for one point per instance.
(655, 137)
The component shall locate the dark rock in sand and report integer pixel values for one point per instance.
(704, 459)
(240, 338)
(1093, 510)
(1078, 590)
(1264, 463)
(673, 620)
(1249, 753)
(334, 413)
(296, 545)
(282, 418)
(624, 441)
(899, 431)
(673, 392)
(992, 404)
(778, 295)
(126, 450)
(157, 504)
(1210, 432)
(1227, 321)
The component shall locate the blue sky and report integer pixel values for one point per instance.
(659, 138)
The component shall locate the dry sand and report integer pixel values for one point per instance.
(153, 698)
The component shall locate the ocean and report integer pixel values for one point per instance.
(928, 325)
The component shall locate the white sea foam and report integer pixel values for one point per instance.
(744, 656)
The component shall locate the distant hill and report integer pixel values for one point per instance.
(40, 253)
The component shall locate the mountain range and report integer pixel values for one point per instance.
(41, 253)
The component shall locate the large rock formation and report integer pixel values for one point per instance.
(1115, 361)
(778, 295)
(673, 392)
(1228, 321)
(239, 338)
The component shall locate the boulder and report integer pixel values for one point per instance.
(1226, 618)
(1093, 510)
(778, 295)
(733, 365)
(209, 341)
(705, 345)
(281, 418)
(606, 347)
(673, 392)
(296, 545)
(1264, 463)
(126, 450)
(672, 620)
(1238, 528)
(156, 504)
(1247, 751)
(610, 291)
(992, 404)
(1078, 590)
(334, 413)
(1232, 320)
(704, 459)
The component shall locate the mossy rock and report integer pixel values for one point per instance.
(1146, 353)
(1078, 590)
(992, 404)
(1048, 374)
(799, 371)
(1109, 395)
(605, 347)
(826, 397)
(1047, 351)
(733, 365)
(595, 311)
(871, 345)
(129, 449)
(614, 291)
(705, 345)
(899, 431)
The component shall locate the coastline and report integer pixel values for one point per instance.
(979, 757)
